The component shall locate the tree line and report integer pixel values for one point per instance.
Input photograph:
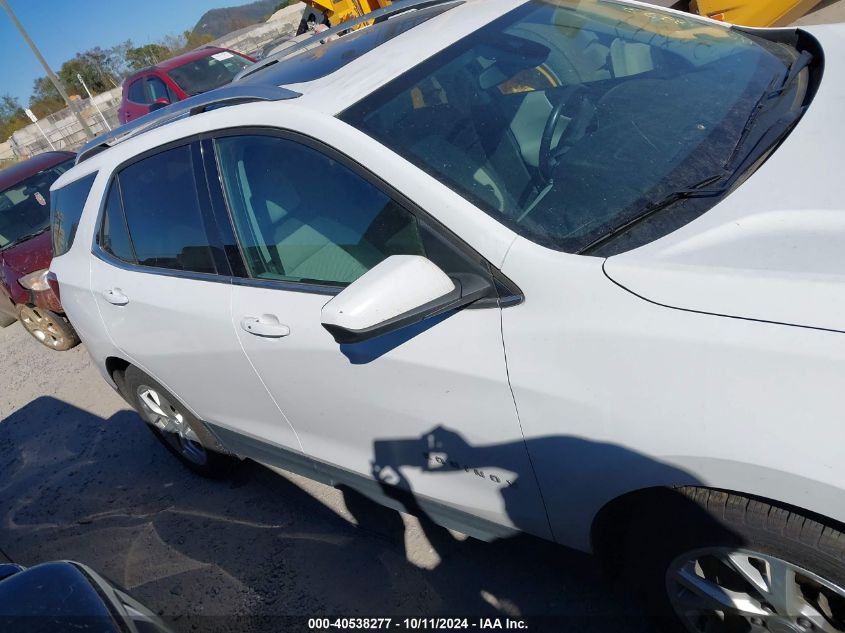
(101, 68)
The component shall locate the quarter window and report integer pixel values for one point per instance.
(163, 214)
(136, 92)
(302, 216)
(67, 204)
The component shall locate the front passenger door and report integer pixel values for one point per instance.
(428, 407)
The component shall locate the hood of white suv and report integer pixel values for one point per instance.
(774, 249)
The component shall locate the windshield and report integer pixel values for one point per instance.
(563, 119)
(25, 207)
(207, 73)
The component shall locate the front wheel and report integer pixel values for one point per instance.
(722, 563)
(177, 428)
(48, 328)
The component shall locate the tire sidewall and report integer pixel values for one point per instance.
(683, 524)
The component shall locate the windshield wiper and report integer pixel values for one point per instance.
(696, 191)
(804, 60)
(789, 75)
(24, 238)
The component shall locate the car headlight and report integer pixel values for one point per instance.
(36, 281)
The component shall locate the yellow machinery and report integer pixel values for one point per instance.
(754, 12)
(338, 11)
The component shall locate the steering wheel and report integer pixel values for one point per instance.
(574, 100)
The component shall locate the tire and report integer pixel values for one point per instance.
(685, 549)
(177, 428)
(48, 328)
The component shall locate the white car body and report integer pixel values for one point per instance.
(709, 357)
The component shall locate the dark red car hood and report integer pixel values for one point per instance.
(29, 256)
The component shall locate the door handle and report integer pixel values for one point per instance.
(116, 297)
(267, 325)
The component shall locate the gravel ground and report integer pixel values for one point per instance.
(83, 479)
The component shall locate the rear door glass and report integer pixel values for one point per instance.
(163, 213)
(114, 236)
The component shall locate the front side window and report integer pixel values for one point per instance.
(207, 73)
(564, 119)
(302, 216)
(66, 206)
(25, 206)
(163, 213)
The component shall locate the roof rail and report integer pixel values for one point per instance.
(229, 94)
(398, 6)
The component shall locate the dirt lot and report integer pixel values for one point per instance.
(83, 479)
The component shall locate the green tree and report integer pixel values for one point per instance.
(45, 98)
(12, 116)
(147, 55)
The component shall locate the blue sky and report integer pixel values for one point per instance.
(61, 28)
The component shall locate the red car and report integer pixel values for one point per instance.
(178, 78)
(26, 250)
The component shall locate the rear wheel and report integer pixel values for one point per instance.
(48, 328)
(179, 430)
(714, 562)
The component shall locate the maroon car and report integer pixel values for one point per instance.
(26, 250)
(178, 78)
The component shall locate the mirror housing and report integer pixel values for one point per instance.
(158, 104)
(398, 292)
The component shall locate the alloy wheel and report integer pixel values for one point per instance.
(41, 326)
(168, 419)
(732, 590)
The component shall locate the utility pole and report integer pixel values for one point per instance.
(50, 73)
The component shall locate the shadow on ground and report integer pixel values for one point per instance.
(234, 555)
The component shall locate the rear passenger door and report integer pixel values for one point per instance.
(161, 281)
(428, 407)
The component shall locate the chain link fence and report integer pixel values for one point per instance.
(62, 130)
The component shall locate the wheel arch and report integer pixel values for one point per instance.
(610, 525)
(115, 368)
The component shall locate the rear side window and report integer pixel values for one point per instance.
(136, 92)
(159, 90)
(163, 214)
(114, 236)
(67, 204)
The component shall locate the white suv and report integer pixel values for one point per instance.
(568, 268)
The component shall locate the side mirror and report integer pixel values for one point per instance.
(158, 104)
(400, 291)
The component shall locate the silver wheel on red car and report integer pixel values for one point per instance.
(166, 417)
(48, 328)
(724, 589)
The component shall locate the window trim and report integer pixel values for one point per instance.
(223, 275)
(514, 296)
